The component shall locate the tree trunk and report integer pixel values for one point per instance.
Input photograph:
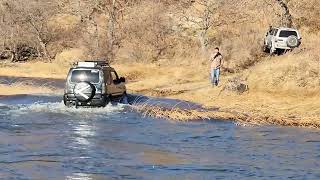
(110, 34)
(97, 51)
(203, 42)
(44, 49)
(287, 17)
(13, 57)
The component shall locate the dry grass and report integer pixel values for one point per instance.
(184, 115)
(34, 69)
(258, 106)
(173, 114)
(243, 116)
(21, 88)
(64, 21)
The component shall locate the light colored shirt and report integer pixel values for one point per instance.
(216, 61)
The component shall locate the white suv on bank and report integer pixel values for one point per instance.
(279, 39)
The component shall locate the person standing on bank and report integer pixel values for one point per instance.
(216, 64)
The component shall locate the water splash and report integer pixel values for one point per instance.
(60, 108)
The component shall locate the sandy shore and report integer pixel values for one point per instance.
(190, 84)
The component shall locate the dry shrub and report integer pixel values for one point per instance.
(153, 31)
(68, 56)
(65, 22)
(149, 33)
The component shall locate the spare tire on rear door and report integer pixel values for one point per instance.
(84, 91)
(292, 41)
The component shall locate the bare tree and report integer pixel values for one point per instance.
(285, 16)
(160, 32)
(13, 31)
(115, 10)
(202, 18)
(29, 23)
(287, 19)
(109, 31)
(2, 24)
(150, 35)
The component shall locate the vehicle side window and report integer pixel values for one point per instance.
(107, 77)
(271, 31)
(275, 32)
(114, 76)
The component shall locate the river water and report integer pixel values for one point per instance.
(42, 139)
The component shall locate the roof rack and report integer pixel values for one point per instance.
(91, 64)
(99, 63)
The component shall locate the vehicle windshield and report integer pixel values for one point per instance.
(288, 33)
(85, 75)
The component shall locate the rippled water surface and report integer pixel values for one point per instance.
(41, 139)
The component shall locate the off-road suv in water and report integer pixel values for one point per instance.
(280, 39)
(93, 83)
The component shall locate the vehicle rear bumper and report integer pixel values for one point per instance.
(97, 100)
(284, 46)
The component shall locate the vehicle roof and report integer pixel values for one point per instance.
(286, 28)
(93, 64)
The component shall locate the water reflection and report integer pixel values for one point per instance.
(83, 131)
(85, 176)
(79, 176)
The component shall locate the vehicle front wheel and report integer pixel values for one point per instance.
(68, 104)
(65, 101)
(271, 51)
(280, 51)
(105, 101)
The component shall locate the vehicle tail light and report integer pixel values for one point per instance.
(66, 87)
(103, 89)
